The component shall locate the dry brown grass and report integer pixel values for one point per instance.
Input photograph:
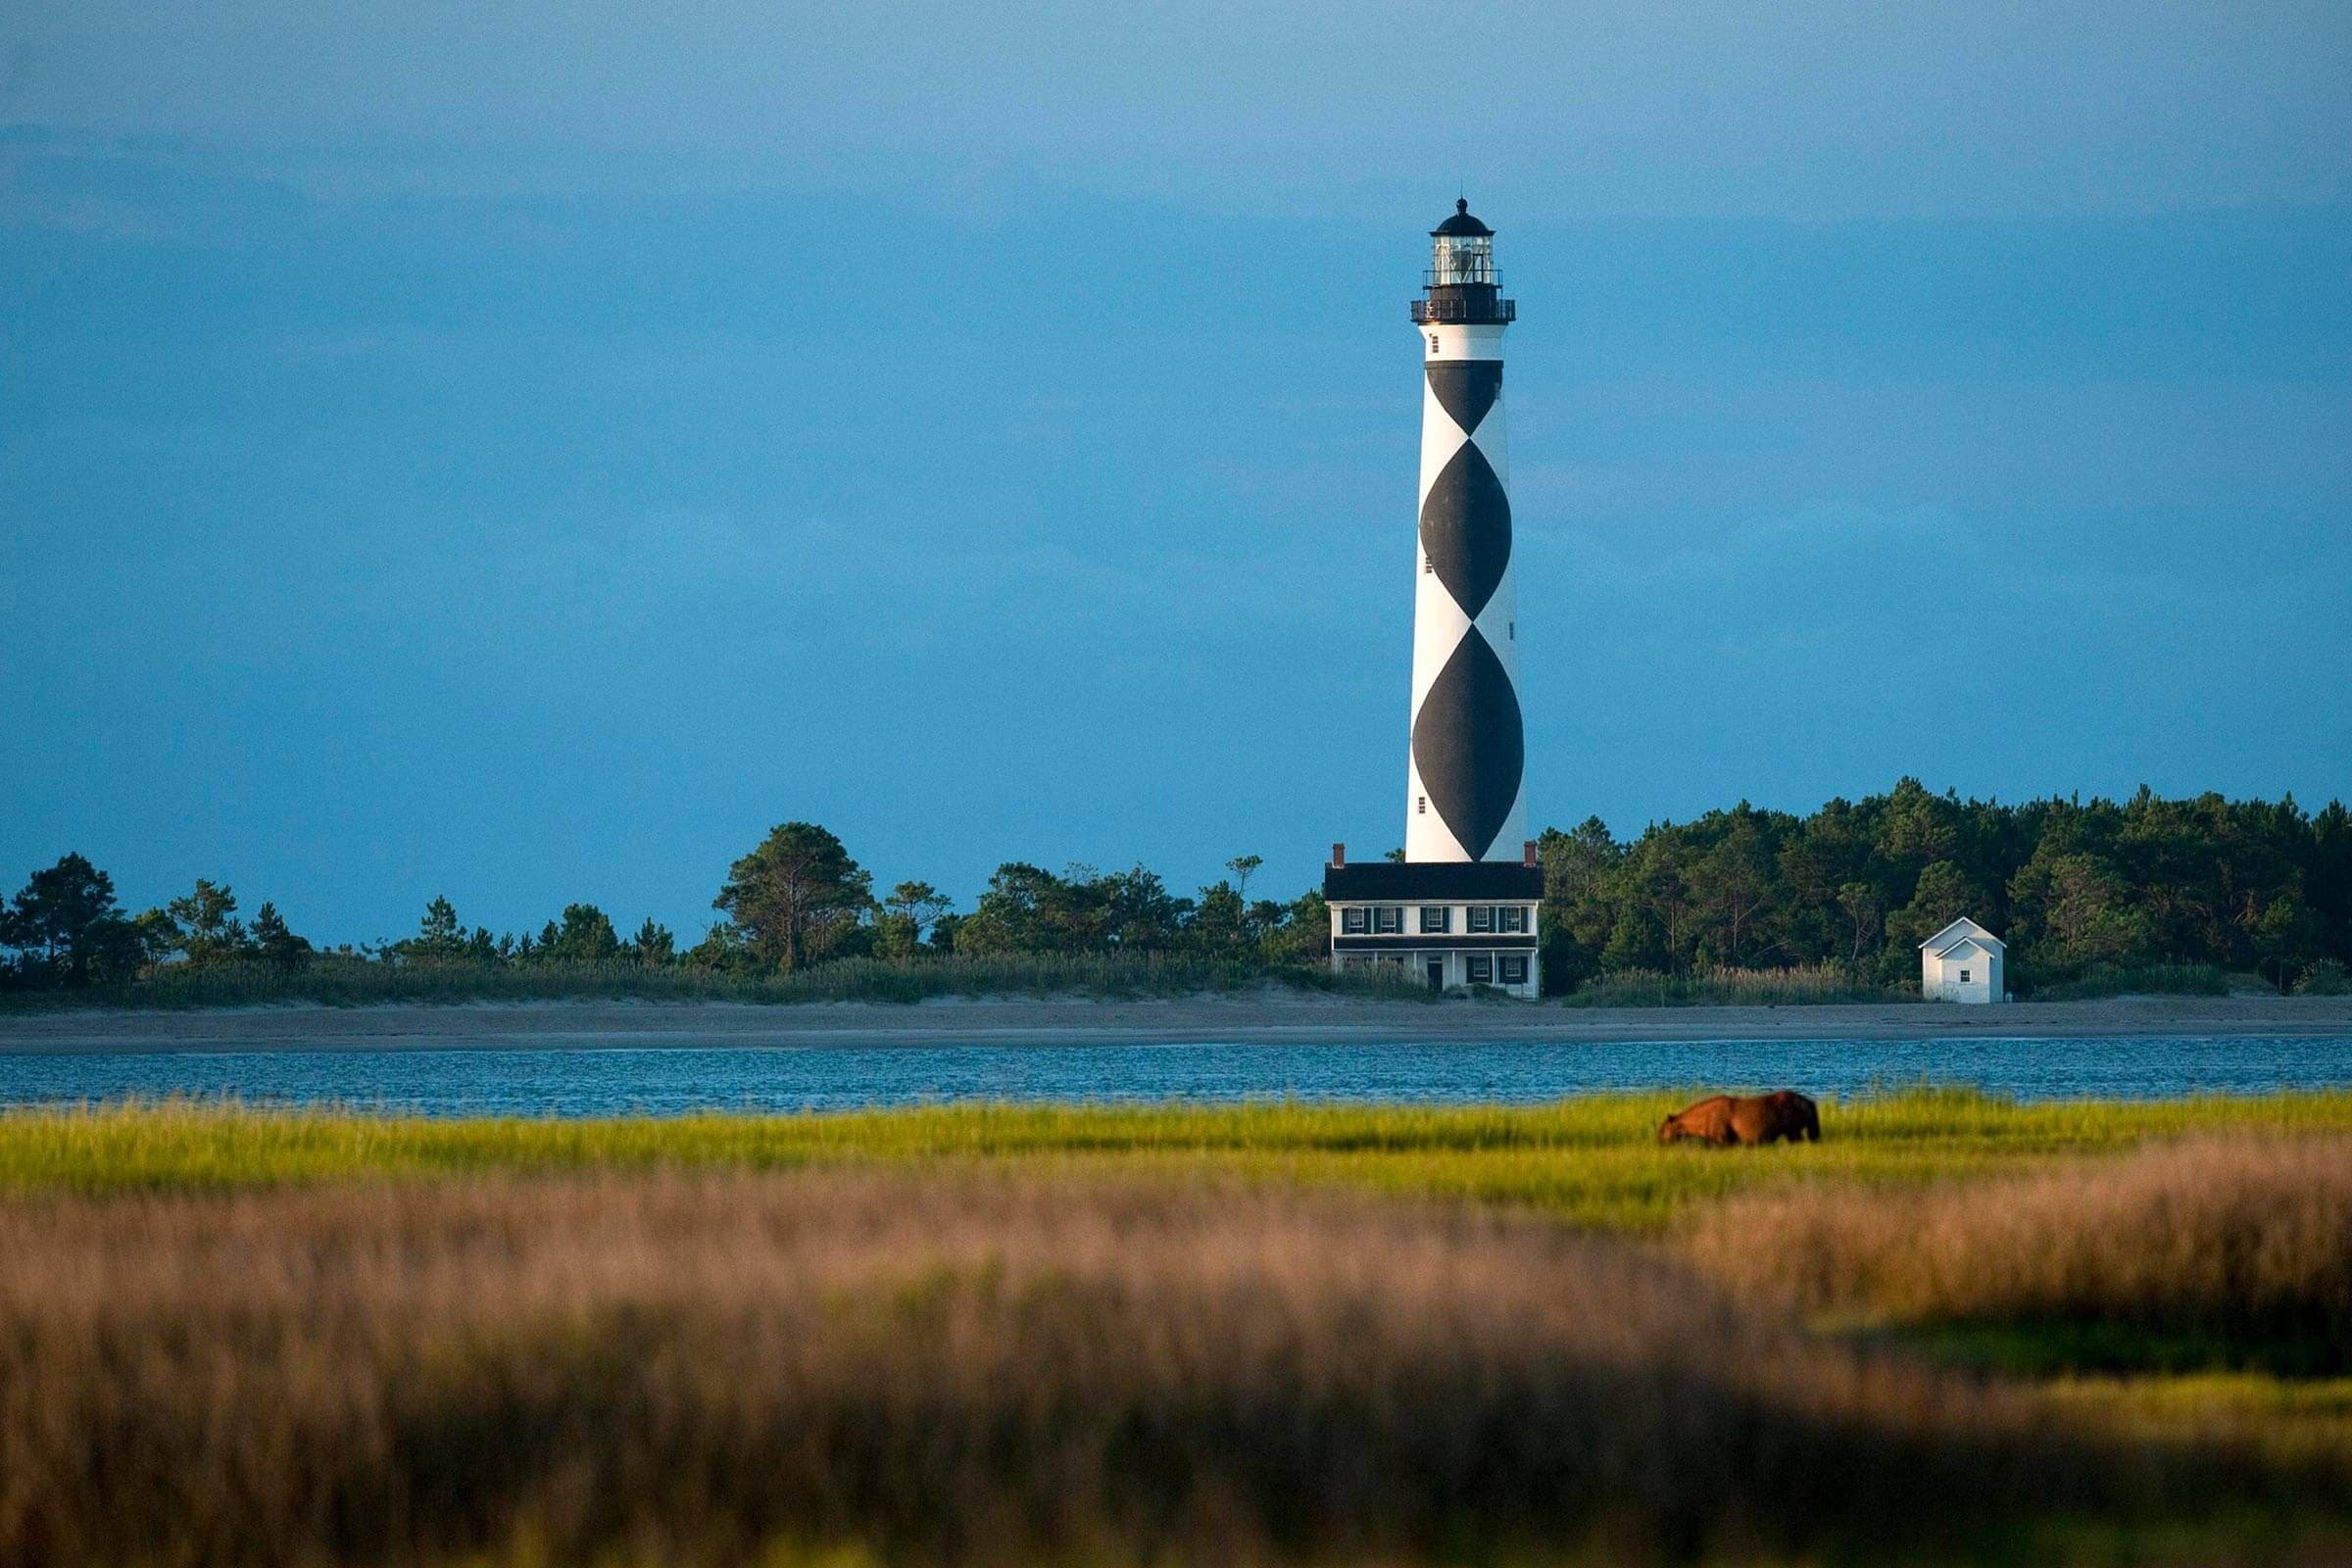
(946, 1367)
(2242, 1236)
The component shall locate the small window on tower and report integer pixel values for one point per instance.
(1433, 342)
(1421, 805)
(1428, 567)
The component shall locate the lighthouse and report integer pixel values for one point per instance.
(1465, 792)
(1461, 909)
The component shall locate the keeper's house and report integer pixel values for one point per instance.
(1962, 962)
(1451, 922)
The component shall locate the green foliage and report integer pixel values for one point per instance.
(2144, 979)
(1741, 904)
(798, 897)
(210, 931)
(2072, 886)
(652, 944)
(68, 929)
(2326, 978)
(911, 908)
(1651, 988)
(1241, 866)
(586, 937)
(273, 944)
(718, 969)
(439, 938)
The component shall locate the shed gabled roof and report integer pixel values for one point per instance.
(1962, 930)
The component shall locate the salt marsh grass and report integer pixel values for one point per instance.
(2240, 1242)
(2147, 979)
(957, 1368)
(349, 982)
(1081, 1335)
(1723, 987)
(1590, 1158)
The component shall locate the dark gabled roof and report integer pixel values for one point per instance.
(1462, 222)
(1405, 881)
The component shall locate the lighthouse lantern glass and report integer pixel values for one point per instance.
(1464, 259)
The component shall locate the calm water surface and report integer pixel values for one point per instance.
(668, 1081)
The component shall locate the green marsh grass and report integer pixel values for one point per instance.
(1723, 987)
(1590, 1159)
(2147, 979)
(337, 981)
(1091, 1334)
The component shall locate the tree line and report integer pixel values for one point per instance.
(2072, 886)
(797, 900)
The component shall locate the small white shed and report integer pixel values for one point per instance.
(1962, 962)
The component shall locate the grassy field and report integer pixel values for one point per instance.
(1265, 1333)
(1589, 1159)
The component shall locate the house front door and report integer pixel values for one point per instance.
(1437, 974)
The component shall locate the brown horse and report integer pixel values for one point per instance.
(1729, 1119)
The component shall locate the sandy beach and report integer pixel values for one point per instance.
(1270, 1018)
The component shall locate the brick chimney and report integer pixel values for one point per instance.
(1527, 852)
(1339, 855)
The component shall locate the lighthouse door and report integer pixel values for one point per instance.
(1437, 974)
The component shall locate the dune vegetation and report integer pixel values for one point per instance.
(1268, 1333)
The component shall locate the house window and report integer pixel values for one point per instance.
(1482, 917)
(1514, 971)
(1510, 917)
(1436, 917)
(1963, 977)
(1387, 920)
(1480, 969)
(1355, 922)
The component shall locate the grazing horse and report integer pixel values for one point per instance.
(1729, 1119)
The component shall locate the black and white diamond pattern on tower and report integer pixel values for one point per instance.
(1466, 389)
(1469, 745)
(1466, 529)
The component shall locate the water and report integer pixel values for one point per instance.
(668, 1081)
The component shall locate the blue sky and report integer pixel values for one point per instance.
(523, 451)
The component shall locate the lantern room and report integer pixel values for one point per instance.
(1461, 285)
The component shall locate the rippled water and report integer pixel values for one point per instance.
(666, 1081)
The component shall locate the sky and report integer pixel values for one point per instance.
(523, 451)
